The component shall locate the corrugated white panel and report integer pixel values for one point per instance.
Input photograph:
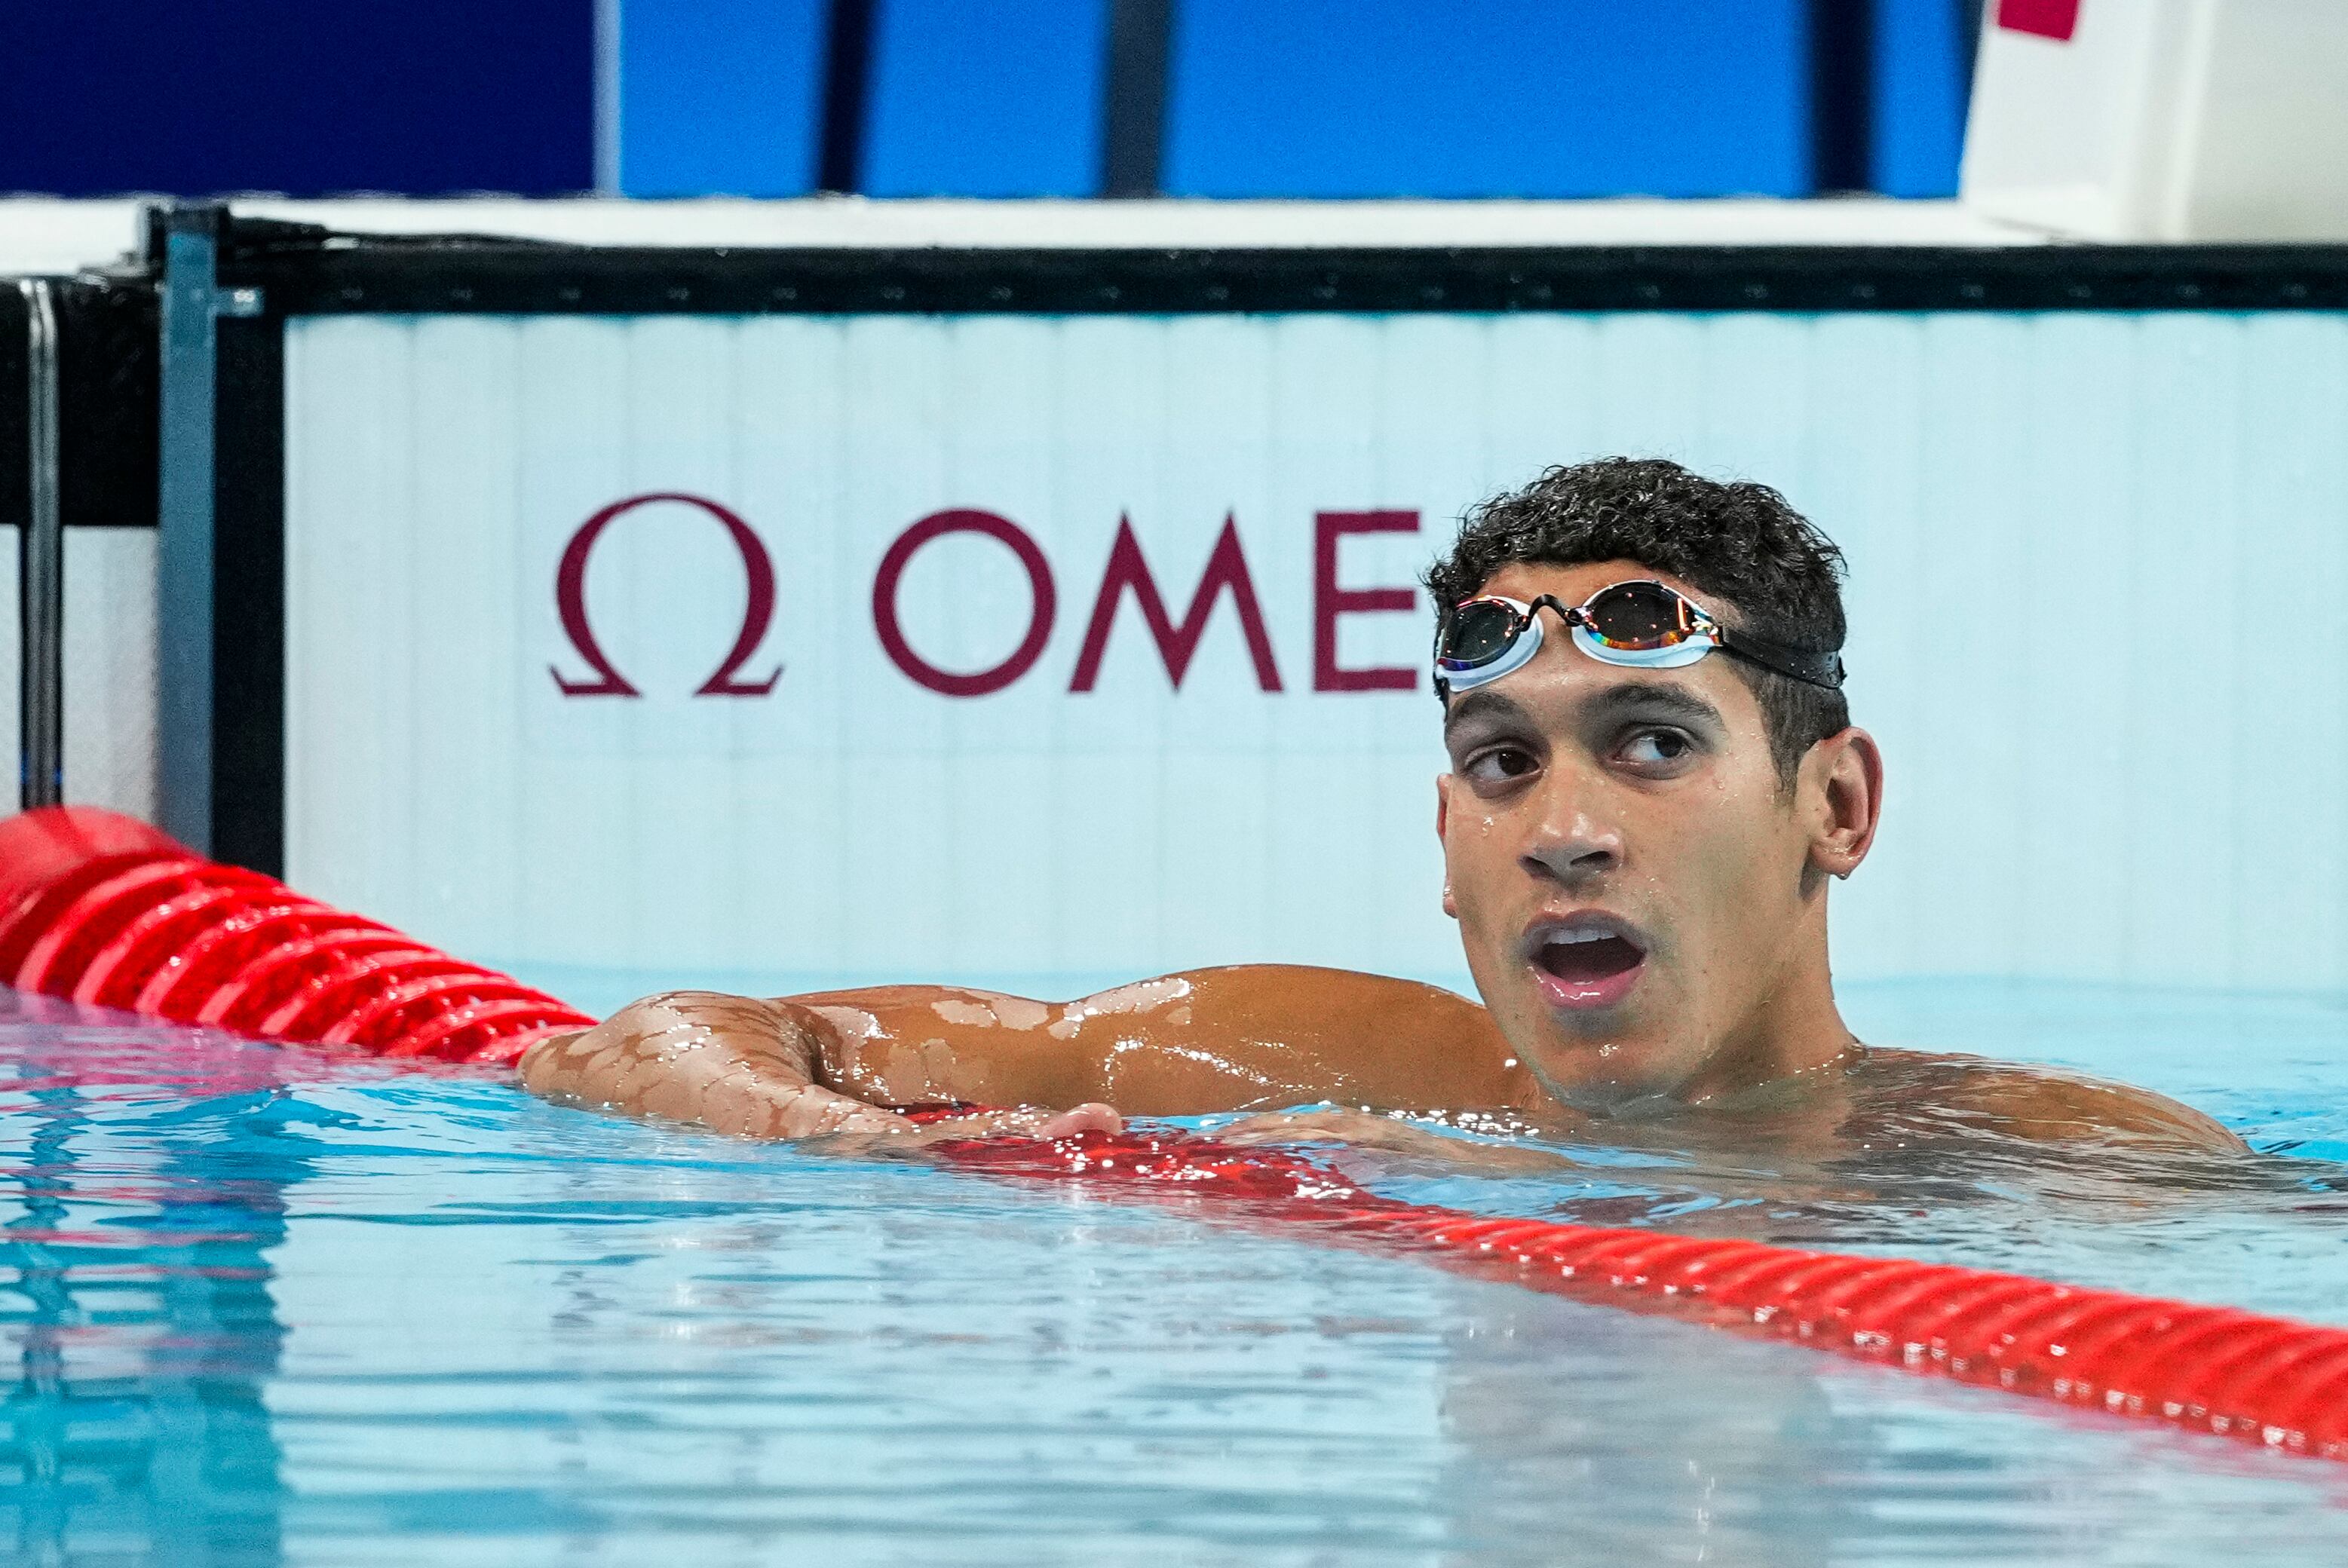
(109, 658)
(109, 668)
(2076, 541)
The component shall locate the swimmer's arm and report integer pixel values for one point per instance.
(1253, 1036)
(741, 1066)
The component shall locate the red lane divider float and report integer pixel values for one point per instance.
(103, 909)
(2269, 1381)
(100, 908)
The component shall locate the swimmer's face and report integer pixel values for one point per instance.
(1642, 900)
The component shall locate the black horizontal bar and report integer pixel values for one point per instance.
(408, 275)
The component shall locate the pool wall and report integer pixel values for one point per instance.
(784, 615)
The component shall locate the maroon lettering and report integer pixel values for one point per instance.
(1043, 602)
(571, 604)
(1227, 568)
(1330, 601)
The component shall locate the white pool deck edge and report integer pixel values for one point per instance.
(45, 235)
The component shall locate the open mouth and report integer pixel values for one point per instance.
(1586, 965)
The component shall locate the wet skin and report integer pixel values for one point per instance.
(1643, 902)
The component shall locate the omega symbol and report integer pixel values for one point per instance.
(570, 602)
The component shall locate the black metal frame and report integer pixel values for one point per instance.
(15, 415)
(40, 561)
(102, 419)
(105, 397)
(303, 271)
(248, 793)
(307, 272)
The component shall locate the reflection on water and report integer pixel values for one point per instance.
(2161, 1222)
(1583, 1436)
(139, 1306)
(2264, 1228)
(264, 1304)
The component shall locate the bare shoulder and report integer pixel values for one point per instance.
(2047, 1104)
(1323, 993)
(1365, 1038)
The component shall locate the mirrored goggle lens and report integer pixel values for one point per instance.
(1638, 615)
(1480, 633)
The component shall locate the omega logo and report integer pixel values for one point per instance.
(1226, 576)
(570, 602)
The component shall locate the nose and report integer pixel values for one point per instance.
(1570, 845)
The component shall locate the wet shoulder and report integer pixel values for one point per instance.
(1304, 995)
(1394, 1043)
(2042, 1105)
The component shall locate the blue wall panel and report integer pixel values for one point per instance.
(1922, 54)
(1303, 99)
(417, 95)
(986, 100)
(720, 97)
(1488, 97)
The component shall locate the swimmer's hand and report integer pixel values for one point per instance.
(750, 1069)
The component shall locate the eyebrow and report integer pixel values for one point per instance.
(1484, 704)
(1668, 699)
(1625, 699)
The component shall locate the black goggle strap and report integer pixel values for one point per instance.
(1810, 665)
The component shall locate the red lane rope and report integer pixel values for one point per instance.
(101, 909)
(2269, 1381)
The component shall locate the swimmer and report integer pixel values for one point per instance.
(1654, 783)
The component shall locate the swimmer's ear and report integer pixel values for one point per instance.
(1442, 829)
(1839, 793)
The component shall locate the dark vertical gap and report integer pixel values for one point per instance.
(1969, 32)
(16, 409)
(1133, 125)
(248, 598)
(107, 402)
(1842, 95)
(847, 87)
(16, 507)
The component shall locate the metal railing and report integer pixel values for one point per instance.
(41, 563)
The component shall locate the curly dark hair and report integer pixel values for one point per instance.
(1768, 568)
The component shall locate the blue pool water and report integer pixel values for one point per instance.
(265, 1307)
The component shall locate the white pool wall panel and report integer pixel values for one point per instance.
(2093, 561)
(109, 668)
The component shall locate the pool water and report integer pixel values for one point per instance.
(265, 1306)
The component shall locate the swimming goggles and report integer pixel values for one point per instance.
(1641, 625)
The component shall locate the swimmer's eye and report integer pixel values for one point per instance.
(1658, 749)
(1499, 765)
